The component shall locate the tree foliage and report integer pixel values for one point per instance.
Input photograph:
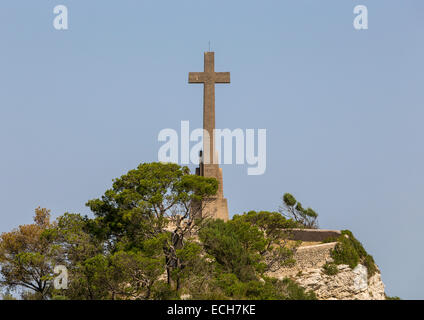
(155, 201)
(350, 251)
(293, 209)
(27, 257)
(236, 247)
(147, 240)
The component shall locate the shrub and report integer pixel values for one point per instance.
(265, 289)
(350, 251)
(163, 291)
(330, 269)
(370, 264)
(296, 292)
(345, 253)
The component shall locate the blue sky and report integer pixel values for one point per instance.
(343, 108)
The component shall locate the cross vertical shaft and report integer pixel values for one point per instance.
(209, 78)
(209, 108)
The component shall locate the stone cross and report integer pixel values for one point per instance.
(209, 77)
(209, 166)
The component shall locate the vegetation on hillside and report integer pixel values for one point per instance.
(330, 269)
(350, 251)
(147, 241)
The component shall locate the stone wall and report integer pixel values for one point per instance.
(306, 258)
(313, 235)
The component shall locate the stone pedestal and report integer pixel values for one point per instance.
(217, 208)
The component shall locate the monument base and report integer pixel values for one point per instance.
(216, 209)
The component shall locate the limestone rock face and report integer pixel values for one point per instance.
(348, 284)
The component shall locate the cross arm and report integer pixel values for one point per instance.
(222, 77)
(196, 77)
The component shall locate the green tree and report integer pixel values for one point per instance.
(236, 246)
(27, 257)
(150, 201)
(79, 247)
(229, 286)
(276, 230)
(99, 271)
(293, 209)
(122, 275)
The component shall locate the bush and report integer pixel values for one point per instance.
(296, 292)
(236, 248)
(163, 291)
(370, 264)
(265, 289)
(330, 269)
(231, 285)
(350, 251)
(345, 253)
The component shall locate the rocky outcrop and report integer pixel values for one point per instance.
(347, 284)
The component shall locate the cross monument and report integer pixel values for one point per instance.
(209, 167)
